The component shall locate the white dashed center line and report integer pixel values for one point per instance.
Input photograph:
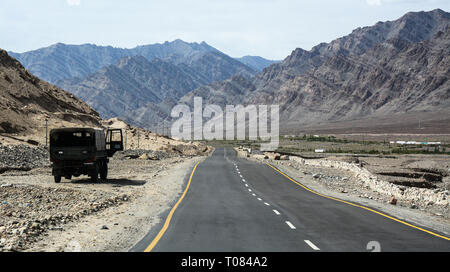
(267, 204)
(290, 225)
(249, 190)
(313, 246)
(246, 185)
(276, 212)
(253, 194)
(259, 199)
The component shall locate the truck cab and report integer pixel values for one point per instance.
(83, 151)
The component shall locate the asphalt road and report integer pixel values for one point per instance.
(236, 205)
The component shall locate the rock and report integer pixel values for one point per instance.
(153, 158)
(56, 228)
(413, 206)
(272, 156)
(10, 248)
(104, 227)
(32, 142)
(259, 156)
(284, 158)
(6, 185)
(316, 176)
(144, 157)
(393, 201)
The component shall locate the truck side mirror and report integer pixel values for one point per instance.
(114, 141)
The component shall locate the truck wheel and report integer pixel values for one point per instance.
(104, 171)
(94, 174)
(57, 179)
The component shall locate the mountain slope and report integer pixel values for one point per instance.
(131, 84)
(61, 61)
(27, 101)
(135, 86)
(392, 77)
(391, 67)
(256, 62)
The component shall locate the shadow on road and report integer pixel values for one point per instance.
(117, 182)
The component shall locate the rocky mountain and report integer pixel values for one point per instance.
(27, 101)
(127, 83)
(139, 90)
(256, 62)
(61, 61)
(393, 77)
(390, 68)
(133, 83)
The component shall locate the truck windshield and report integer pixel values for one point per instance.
(70, 139)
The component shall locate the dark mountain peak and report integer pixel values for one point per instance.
(7, 61)
(297, 54)
(411, 28)
(437, 13)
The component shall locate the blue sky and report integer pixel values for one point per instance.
(268, 28)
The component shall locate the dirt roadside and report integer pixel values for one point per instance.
(79, 215)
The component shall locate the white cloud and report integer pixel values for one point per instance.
(382, 2)
(74, 2)
(373, 2)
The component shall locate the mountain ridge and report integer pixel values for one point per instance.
(342, 80)
(63, 61)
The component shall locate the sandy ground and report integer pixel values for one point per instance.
(149, 186)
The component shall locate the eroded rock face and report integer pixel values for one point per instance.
(390, 68)
(26, 98)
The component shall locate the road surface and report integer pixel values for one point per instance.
(232, 204)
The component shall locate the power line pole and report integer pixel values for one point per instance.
(46, 132)
(126, 136)
(138, 140)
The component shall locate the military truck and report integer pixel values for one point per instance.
(83, 151)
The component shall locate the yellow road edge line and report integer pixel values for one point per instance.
(356, 205)
(169, 217)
